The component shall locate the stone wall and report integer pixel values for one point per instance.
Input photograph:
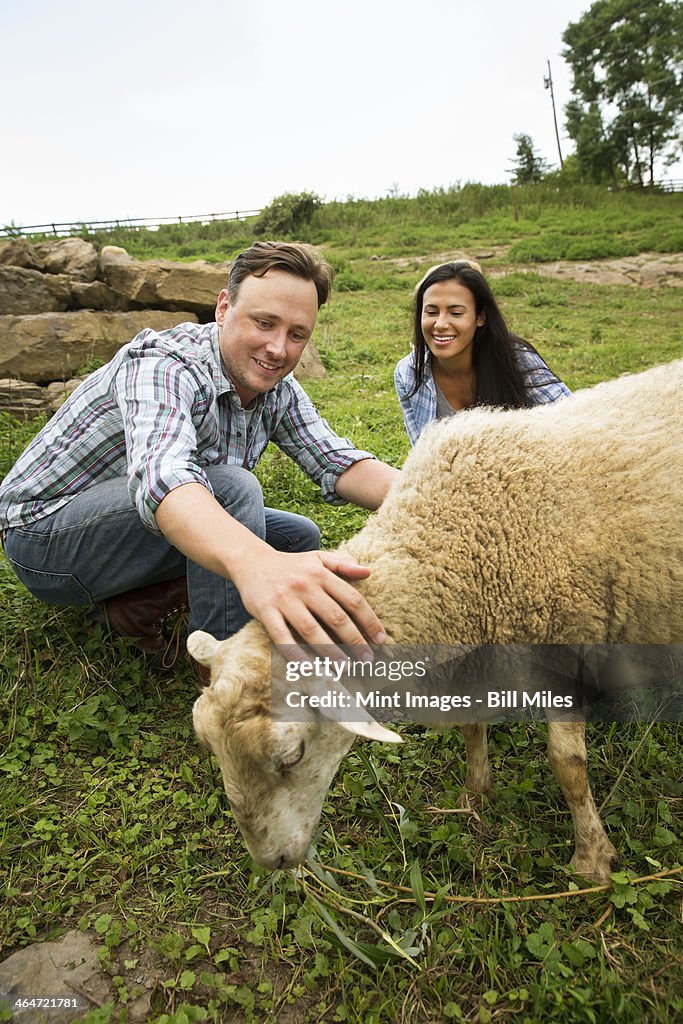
(64, 305)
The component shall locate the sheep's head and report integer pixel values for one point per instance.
(276, 774)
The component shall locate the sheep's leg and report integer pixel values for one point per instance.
(595, 857)
(478, 779)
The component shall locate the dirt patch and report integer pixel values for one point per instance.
(60, 982)
(481, 255)
(647, 270)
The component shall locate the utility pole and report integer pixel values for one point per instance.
(548, 83)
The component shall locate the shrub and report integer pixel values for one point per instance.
(387, 282)
(543, 297)
(665, 240)
(348, 282)
(514, 284)
(599, 248)
(288, 215)
(542, 249)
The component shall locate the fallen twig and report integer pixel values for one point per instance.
(603, 917)
(452, 810)
(481, 900)
(494, 900)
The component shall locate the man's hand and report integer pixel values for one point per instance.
(303, 592)
(307, 593)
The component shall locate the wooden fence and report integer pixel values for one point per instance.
(670, 185)
(81, 227)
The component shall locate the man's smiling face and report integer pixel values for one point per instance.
(263, 333)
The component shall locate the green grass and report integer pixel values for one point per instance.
(112, 818)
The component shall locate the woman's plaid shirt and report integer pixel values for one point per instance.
(419, 408)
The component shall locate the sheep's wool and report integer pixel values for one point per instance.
(556, 524)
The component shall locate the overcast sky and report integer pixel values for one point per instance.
(138, 108)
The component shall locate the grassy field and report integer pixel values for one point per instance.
(113, 820)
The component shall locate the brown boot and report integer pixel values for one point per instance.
(140, 614)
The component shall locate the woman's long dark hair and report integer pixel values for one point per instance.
(498, 380)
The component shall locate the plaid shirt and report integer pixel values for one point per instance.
(159, 413)
(419, 409)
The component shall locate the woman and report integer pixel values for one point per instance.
(464, 354)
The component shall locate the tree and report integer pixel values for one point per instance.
(529, 166)
(597, 158)
(626, 58)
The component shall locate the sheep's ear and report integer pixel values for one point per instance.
(203, 647)
(372, 730)
(366, 725)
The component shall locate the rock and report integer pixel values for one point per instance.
(22, 400)
(191, 285)
(310, 365)
(56, 394)
(72, 256)
(431, 260)
(125, 276)
(67, 969)
(645, 270)
(661, 272)
(28, 291)
(20, 253)
(163, 284)
(96, 295)
(54, 346)
(590, 273)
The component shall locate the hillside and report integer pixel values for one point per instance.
(521, 224)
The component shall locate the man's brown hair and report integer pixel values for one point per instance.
(298, 258)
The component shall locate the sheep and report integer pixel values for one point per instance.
(559, 524)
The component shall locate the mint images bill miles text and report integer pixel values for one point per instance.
(407, 701)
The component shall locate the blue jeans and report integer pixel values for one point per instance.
(97, 547)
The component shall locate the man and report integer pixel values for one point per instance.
(139, 493)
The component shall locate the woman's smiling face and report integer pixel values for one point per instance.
(449, 320)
